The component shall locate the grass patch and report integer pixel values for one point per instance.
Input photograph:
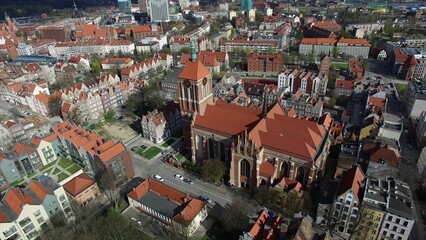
(340, 65)
(151, 152)
(74, 168)
(168, 142)
(192, 167)
(56, 171)
(47, 166)
(64, 163)
(401, 89)
(121, 205)
(32, 175)
(179, 156)
(62, 176)
(16, 183)
(47, 170)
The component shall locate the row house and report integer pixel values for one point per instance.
(355, 70)
(303, 104)
(116, 63)
(139, 32)
(145, 67)
(101, 47)
(95, 153)
(347, 46)
(311, 83)
(166, 60)
(22, 73)
(261, 46)
(93, 31)
(178, 42)
(26, 212)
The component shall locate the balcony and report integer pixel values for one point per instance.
(9, 232)
(25, 222)
(29, 228)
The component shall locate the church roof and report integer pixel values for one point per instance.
(194, 71)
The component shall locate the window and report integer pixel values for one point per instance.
(398, 220)
(405, 223)
(389, 218)
(402, 231)
(387, 225)
(394, 228)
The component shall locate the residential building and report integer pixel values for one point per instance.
(93, 31)
(348, 46)
(344, 87)
(355, 70)
(309, 230)
(97, 154)
(26, 211)
(221, 57)
(415, 98)
(326, 202)
(209, 61)
(101, 47)
(421, 162)
(65, 73)
(266, 226)
(155, 127)
(394, 198)
(311, 83)
(313, 31)
(391, 130)
(264, 63)
(421, 130)
(116, 63)
(5, 137)
(179, 42)
(370, 222)
(331, 26)
(82, 189)
(347, 202)
(159, 10)
(409, 63)
(46, 148)
(8, 171)
(325, 64)
(141, 69)
(25, 49)
(168, 205)
(143, 7)
(361, 29)
(240, 43)
(140, 32)
(303, 104)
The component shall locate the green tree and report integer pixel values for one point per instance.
(213, 170)
(234, 218)
(147, 99)
(110, 116)
(166, 50)
(54, 107)
(185, 50)
(95, 68)
(335, 52)
(270, 50)
(75, 116)
(233, 34)
(249, 50)
(258, 18)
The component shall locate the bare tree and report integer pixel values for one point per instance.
(109, 186)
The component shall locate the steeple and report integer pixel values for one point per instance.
(75, 6)
(193, 52)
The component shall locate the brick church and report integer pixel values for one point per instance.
(259, 146)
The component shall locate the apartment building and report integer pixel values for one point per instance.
(168, 205)
(179, 42)
(370, 223)
(409, 63)
(82, 189)
(303, 104)
(261, 46)
(311, 83)
(155, 127)
(347, 202)
(421, 130)
(264, 63)
(25, 212)
(139, 32)
(116, 63)
(141, 69)
(101, 47)
(394, 198)
(415, 98)
(98, 154)
(348, 46)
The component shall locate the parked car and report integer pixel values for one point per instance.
(177, 176)
(143, 146)
(206, 199)
(158, 178)
(139, 223)
(189, 181)
(135, 148)
(133, 219)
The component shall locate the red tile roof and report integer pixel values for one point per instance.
(352, 180)
(345, 84)
(378, 102)
(258, 230)
(194, 71)
(267, 169)
(387, 154)
(112, 152)
(290, 184)
(78, 184)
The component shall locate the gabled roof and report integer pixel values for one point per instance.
(112, 152)
(78, 184)
(194, 71)
(267, 169)
(352, 180)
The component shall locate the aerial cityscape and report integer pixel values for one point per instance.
(213, 120)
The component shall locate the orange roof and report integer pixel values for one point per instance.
(207, 60)
(345, 84)
(194, 71)
(352, 179)
(38, 189)
(258, 230)
(267, 169)
(43, 98)
(112, 152)
(51, 137)
(78, 184)
(322, 41)
(351, 41)
(228, 119)
(388, 154)
(378, 102)
(290, 184)
(35, 141)
(10, 123)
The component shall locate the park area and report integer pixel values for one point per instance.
(150, 152)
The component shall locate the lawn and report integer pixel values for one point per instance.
(62, 176)
(340, 65)
(45, 167)
(65, 163)
(74, 168)
(150, 153)
(56, 171)
(401, 89)
(192, 167)
(16, 183)
(168, 142)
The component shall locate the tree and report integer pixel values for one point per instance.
(166, 51)
(54, 107)
(233, 34)
(258, 18)
(213, 170)
(185, 50)
(234, 218)
(110, 116)
(335, 52)
(75, 116)
(270, 50)
(95, 67)
(147, 99)
(108, 184)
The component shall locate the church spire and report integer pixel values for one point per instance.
(193, 52)
(75, 6)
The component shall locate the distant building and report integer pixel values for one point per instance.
(124, 5)
(264, 63)
(409, 63)
(116, 63)
(246, 5)
(25, 49)
(362, 29)
(168, 205)
(143, 6)
(303, 104)
(344, 87)
(415, 97)
(261, 46)
(348, 46)
(314, 84)
(159, 10)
